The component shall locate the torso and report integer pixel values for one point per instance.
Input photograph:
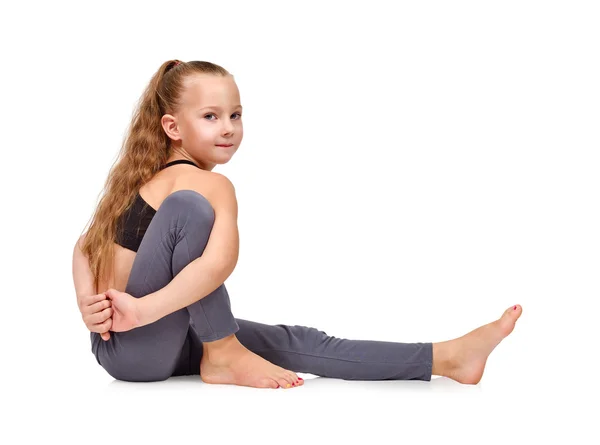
(154, 192)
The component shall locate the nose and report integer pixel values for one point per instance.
(227, 126)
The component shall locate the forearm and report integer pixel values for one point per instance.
(83, 278)
(197, 280)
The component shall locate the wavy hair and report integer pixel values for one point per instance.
(145, 149)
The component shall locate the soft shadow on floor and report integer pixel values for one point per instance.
(437, 384)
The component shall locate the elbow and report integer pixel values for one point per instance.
(77, 248)
(226, 268)
(79, 243)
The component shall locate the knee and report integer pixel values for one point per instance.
(191, 204)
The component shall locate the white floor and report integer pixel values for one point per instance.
(511, 404)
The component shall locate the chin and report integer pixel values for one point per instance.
(226, 160)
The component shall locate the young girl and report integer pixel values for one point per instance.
(164, 239)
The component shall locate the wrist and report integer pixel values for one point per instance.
(140, 312)
(144, 313)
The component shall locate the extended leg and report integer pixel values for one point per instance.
(306, 349)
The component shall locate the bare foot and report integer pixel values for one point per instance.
(234, 364)
(464, 358)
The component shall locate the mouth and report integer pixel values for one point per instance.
(224, 145)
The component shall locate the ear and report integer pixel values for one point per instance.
(169, 124)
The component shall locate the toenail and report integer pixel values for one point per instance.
(515, 308)
(300, 378)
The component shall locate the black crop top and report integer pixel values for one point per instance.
(138, 217)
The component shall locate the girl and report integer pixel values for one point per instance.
(164, 239)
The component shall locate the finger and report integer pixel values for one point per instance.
(95, 298)
(91, 314)
(91, 299)
(98, 307)
(105, 336)
(107, 325)
(102, 328)
(94, 308)
(112, 293)
(100, 317)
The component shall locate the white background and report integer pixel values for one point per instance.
(409, 170)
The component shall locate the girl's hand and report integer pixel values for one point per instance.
(125, 311)
(96, 311)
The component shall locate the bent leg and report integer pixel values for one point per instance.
(177, 235)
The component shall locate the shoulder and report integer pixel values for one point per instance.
(203, 181)
(216, 183)
(215, 187)
(220, 180)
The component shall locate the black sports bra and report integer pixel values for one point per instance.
(178, 161)
(132, 225)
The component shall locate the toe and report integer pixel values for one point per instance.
(284, 383)
(293, 378)
(515, 311)
(509, 318)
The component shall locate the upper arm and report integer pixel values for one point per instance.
(224, 241)
(83, 278)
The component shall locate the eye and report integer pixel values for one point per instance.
(212, 114)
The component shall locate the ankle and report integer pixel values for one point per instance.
(442, 363)
(221, 346)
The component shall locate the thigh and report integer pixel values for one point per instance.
(152, 352)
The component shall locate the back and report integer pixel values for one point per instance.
(154, 192)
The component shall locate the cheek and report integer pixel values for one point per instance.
(203, 130)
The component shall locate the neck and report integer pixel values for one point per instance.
(208, 166)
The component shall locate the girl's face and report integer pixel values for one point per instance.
(209, 122)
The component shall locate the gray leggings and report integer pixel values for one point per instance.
(172, 346)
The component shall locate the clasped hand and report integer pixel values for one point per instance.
(109, 311)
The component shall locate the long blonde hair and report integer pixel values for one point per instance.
(145, 149)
